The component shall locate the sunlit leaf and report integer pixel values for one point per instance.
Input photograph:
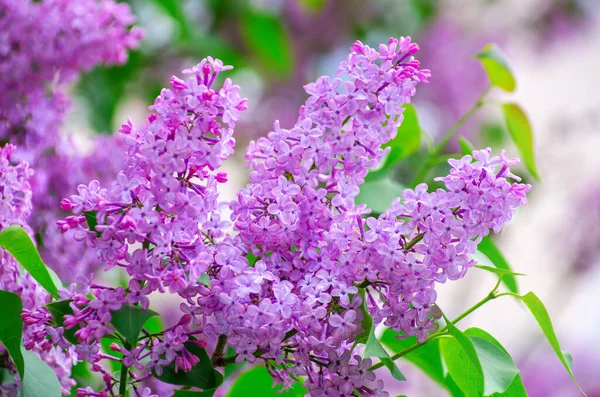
(462, 362)
(497, 68)
(18, 243)
(154, 325)
(407, 140)
(521, 133)
(537, 308)
(258, 382)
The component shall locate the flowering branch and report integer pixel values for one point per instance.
(282, 284)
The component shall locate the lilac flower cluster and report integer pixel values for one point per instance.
(165, 200)
(298, 216)
(15, 208)
(286, 285)
(47, 43)
(44, 45)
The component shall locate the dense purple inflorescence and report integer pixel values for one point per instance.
(48, 43)
(15, 209)
(44, 46)
(298, 302)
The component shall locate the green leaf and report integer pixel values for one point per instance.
(461, 367)
(129, 321)
(427, 357)
(91, 217)
(499, 370)
(18, 243)
(453, 388)
(204, 279)
(11, 327)
(516, 388)
(466, 147)
(497, 68)
(462, 362)
(58, 310)
(407, 140)
(537, 308)
(521, 133)
(55, 279)
(257, 382)
(268, 40)
(367, 322)
(493, 253)
(154, 325)
(81, 370)
(40, 380)
(251, 259)
(379, 194)
(201, 375)
(374, 349)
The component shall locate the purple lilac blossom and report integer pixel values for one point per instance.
(43, 47)
(15, 208)
(298, 303)
(46, 44)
